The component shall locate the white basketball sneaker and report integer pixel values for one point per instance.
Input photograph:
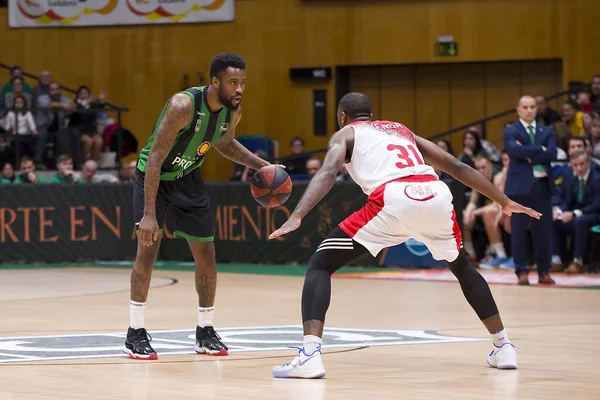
(503, 357)
(307, 366)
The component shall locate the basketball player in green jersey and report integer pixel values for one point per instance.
(168, 187)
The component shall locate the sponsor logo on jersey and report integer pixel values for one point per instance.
(203, 148)
(198, 123)
(224, 127)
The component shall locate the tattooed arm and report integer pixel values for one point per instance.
(322, 182)
(230, 148)
(177, 116)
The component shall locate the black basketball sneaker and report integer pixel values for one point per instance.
(137, 345)
(209, 342)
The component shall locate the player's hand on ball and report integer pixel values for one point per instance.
(290, 225)
(512, 207)
(148, 230)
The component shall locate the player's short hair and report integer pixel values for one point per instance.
(356, 105)
(223, 61)
(577, 154)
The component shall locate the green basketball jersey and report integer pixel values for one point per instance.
(193, 141)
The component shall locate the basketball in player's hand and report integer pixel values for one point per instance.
(271, 186)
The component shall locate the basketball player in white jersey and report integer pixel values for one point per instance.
(406, 200)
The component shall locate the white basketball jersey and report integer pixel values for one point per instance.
(384, 151)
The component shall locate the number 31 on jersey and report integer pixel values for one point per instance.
(407, 159)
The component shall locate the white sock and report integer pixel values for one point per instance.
(205, 316)
(500, 338)
(136, 314)
(311, 344)
(469, 248)
(556, 260)
(499, 250)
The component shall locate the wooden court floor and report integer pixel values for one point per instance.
(389, 340)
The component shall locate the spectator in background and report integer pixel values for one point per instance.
(445, 145)
(589, 150)
(344, 175)
(573, 118)
(595, 90)
(297, 165)
(472, 148)
(8, 173)
(578, 212)
(529, 181)
(583, 99)
(43, 88)
(8, 99)
(562, 134)
(595, 137)
(15, 71)
(546, 115)
(127, 172)
(65, 174)
(51, 120)
(478, 216)
(313, 165)
(20, 123)
(247, 173)
(587, 119)
(89, 174)
(28, 174)
(576, 143)
(85, 122)
(491, 151)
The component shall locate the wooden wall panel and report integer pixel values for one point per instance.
(367, 80)
(141, 66)
(503, 89)
(467, 96)
(398, 95)
(541, 78)
(432, 100)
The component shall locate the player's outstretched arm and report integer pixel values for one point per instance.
(177, 116)
(322, 182)
(441, 160)
(230, 148)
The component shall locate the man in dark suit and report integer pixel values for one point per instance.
(578, 211)
(529, 181)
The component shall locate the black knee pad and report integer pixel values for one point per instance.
(461, 264)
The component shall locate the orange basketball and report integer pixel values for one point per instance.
(271, 186)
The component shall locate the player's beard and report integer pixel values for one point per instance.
(227, 102)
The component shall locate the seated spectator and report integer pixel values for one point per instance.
(313, 165)
(595, 137)
(486, 218)
(20, 123)
(546, 115)
(589, 149)
(7, 101)
(297, 164)
(445, 145)
(88, 174)
(42, 88)
(8, 173)
(587, 119)
(472, 148)
(583, 100)
(85, 122)
(127, 172)
(492, 152)
(65, 173)
(578, 212)
(247, 173)
(573, 118)
(51, 120)
(15, 72)
(562, 134)
(28, 174)
(595, 90)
